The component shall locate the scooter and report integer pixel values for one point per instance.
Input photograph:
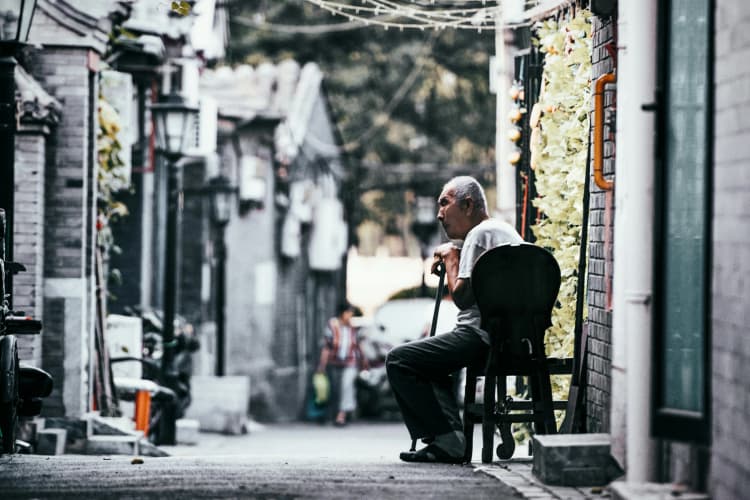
(22, 387)
(173, 394)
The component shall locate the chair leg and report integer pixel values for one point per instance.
(548, 413)
(488, 418)
(470, 390)
(538, 403)
(507, 447)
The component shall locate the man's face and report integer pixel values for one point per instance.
(453, 214)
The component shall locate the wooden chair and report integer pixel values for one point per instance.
(515, 287)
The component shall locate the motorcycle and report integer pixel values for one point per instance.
(22, 387)
(375, 398)
(173, 395)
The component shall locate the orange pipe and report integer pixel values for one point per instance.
(142, 411)
(599, 130)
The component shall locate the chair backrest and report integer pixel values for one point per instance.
(515, 287)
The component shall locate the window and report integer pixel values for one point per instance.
(683, 211)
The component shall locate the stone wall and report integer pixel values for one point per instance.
(30, 158)
(730, 448)
(67, 74)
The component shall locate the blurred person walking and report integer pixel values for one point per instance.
(341, 358)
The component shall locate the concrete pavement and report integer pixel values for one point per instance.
(367, 442)
(280, 461)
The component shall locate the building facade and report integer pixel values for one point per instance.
(666, 288)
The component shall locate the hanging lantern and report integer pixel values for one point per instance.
(514, 134)
(514, 157)
(515, 115)
(15, 20)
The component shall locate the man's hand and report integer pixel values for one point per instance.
(444, 253)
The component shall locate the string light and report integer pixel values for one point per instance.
(479, 15)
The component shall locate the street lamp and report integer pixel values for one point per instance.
(172, 117)
(221, 193)
(423, 227)
(15, 22)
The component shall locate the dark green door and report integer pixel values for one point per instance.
(683, 194)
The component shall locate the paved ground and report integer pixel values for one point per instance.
(275, 462)
(368, 442)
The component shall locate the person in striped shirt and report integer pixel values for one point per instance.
(340, 359)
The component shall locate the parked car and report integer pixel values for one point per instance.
(395, 322)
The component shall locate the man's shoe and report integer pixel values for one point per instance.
(430, 454)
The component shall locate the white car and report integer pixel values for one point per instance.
(395, 322)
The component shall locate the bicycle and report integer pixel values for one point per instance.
(22, 387)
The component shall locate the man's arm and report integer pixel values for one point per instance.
(460, 288)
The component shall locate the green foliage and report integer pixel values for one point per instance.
(110, 175)
(397, 97)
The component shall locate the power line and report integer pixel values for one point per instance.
(318, 29)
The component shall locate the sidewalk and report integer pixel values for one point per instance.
(370, 442)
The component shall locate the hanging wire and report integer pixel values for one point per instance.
(469, 14)
(397, 97)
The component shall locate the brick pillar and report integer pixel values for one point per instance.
(601, 237)
(66, 74)
(29, 231)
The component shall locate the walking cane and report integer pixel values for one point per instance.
(438, 298)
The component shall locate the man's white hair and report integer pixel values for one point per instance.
(465, 186)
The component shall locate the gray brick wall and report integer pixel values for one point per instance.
(600, 267)
(64, 74)
(68, 227)
(53, 349)
(730, 450)
(29, 234)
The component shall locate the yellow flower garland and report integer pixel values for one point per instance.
(558, 151)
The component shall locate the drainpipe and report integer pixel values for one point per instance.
(505, 173)
(633, 239)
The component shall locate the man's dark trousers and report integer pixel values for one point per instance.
(420, 375)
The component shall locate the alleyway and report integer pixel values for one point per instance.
(276, 462)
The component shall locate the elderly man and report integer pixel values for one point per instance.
(420, 372)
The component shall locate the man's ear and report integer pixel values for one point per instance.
(469, 203)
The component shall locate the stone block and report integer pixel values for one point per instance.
(574, 460)
(111, 426)
(622, 490)
(187, 431)
(50, 441)
(29, 427)
(76, 431)
(149, 449)
(112, 445)
(220, 404)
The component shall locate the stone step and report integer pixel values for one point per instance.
(77, 431)
(220, 404)
(113, 445)
(111, 426)
(50, 441)
(622, 490)
(149, 449)
(188, 430)
(574, 459)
